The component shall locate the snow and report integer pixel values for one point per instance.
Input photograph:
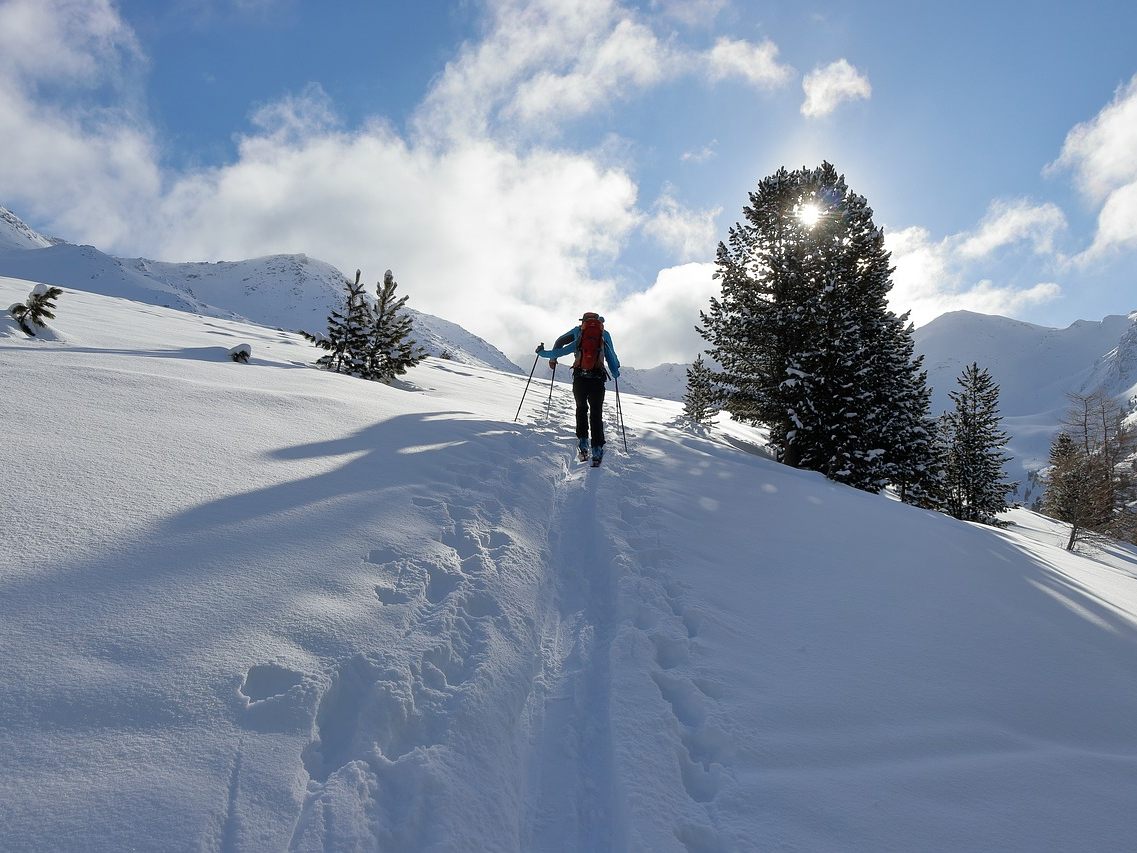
(264, 607)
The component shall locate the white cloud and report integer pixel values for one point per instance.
(627, 59)
(1011, 222)
(1100, 153)
(658, 325)
(546, 61)
(688, 234)
(826, 88)
(80, 42)
(96, 155)
(1117, 224)
(757, 64)
(707, 152)
(932, 277)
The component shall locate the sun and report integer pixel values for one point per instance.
(808, 214)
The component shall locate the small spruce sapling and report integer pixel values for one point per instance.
(39, 306)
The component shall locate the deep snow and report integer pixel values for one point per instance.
(263, 607)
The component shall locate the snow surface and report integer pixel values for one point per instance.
(264, 607)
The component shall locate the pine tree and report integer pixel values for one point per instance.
(342, 337)
(699, 400)
(974, 484)
(36, 309)
(802, 329)
(391, 350)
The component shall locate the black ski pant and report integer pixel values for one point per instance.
(589, 394)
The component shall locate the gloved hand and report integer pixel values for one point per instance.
(552, 364)
(615, 373)
(540, 347)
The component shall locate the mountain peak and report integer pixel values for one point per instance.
(15, 233)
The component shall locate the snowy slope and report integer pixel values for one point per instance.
(264, 607)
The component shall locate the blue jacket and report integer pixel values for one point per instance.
(566, 344)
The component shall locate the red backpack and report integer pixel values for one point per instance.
(590, 348)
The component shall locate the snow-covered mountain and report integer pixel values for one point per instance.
(282, 291)
(667, 381)
(264, 607)
(1035, 368)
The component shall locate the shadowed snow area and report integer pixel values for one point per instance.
(262, 607)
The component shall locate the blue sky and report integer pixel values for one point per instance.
(516, 162)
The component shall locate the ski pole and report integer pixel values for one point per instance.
(526, 391)
(549, 410)
(620, 414)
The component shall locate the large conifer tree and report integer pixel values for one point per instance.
(802, 329)
(975, 488)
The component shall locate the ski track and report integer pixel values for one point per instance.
(479, 679)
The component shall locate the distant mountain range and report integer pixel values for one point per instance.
(293, 292)
(1035, 366)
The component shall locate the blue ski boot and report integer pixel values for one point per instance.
(597, 455)
(583, 454)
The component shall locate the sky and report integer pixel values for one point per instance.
(518, 162)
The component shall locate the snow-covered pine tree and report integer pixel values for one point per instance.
(342, 335)
(802, 328)
(912, 461)
(36, 309)
(700, 398)
(391, 351)
(975, 488)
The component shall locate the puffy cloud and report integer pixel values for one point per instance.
(932, 277)
(550, 59)
(81, 42)
(757, 64)
(1012, 222)
(688, 234)
(1117, 224)
(629, 58)
(660, 321)
(1100, 154)
(827, 87)
(500, 242)
(1100, 151)
(68, 71)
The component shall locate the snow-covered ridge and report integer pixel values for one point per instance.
(15, 234)
(293, 292)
